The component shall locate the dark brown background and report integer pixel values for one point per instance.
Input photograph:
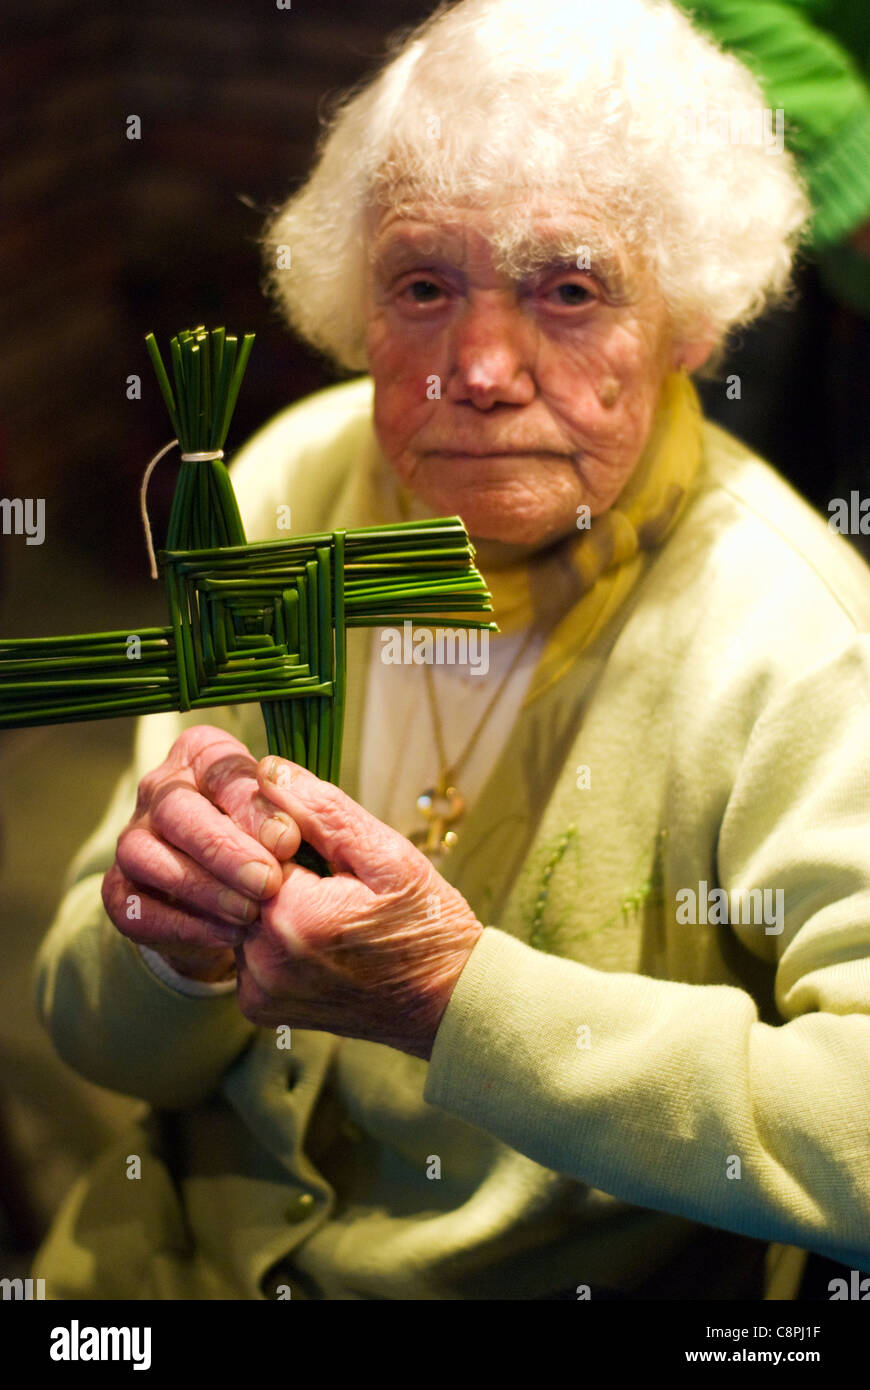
(105, 238)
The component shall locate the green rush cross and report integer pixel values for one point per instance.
(248, 623)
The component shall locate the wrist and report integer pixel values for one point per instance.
(210, 966)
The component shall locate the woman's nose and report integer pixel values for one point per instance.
(490, 357)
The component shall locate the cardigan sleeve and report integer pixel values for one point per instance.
(109, 1016)
(808, 74)
(675, 1095)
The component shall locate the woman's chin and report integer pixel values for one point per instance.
(512, 528)
(508, 522)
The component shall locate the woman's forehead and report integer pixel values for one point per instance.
(522, 238)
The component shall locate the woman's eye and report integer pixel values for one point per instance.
(572, 295)
(422, 291)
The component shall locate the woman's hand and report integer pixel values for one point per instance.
(373, 952)
(201, 852)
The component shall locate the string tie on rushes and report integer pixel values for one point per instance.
(202, 457)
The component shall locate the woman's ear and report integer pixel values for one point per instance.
(692, 347)
(691, 355)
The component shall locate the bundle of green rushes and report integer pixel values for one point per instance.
(207, 369)
(55, 680)
(62, 679)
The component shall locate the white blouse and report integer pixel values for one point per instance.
(399, 753)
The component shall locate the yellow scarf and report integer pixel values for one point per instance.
(573, 588)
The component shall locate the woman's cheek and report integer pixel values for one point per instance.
(386, 346)
(401, 411)
(603, 405)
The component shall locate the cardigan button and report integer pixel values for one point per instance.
(300, 1208)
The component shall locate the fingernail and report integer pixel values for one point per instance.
(234, 905)
(273, 831)
(253, 877)
(277, 770)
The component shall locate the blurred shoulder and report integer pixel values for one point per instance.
(760, 538)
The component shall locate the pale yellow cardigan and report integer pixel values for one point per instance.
(615, 1100)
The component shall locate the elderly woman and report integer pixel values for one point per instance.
(609, 1035)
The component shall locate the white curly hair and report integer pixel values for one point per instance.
(622, 109)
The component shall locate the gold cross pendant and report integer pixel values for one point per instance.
(441, 807)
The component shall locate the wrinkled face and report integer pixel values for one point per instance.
(548, 377)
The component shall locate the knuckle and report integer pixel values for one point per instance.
(210, 852)
(333, 821)
(371, 839)
(228, 778)
(113, 893)
(146, 790)
(172, 809)
(126, 857)
(191, 741)
(251, 1000)
(418, 874)
(217, 851)
(107, 888)
(336, 803)
(181, 885)
(201, 736)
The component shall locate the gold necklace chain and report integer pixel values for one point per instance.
(443, 806)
